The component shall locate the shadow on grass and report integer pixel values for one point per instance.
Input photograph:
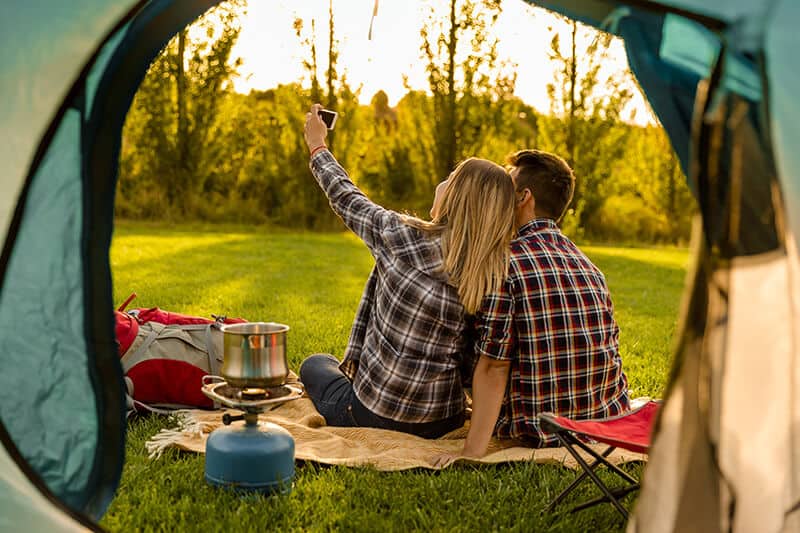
(312, 283)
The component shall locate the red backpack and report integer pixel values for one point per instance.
(165, 355)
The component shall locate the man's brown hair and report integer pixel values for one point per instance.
(549, 179)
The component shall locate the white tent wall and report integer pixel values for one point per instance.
(725, 458)
(755, 438)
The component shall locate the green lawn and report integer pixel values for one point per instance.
(313, 283)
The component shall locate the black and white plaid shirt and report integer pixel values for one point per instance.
(405, 348)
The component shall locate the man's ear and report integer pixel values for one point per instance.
(524, 196)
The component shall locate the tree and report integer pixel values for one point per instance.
(588, 103)
(340, 96)
(648, 199)
(468, 80)
(172, 121)
(386, 173)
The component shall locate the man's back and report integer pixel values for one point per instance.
(564, 342)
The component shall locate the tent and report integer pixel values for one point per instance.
(719, 75)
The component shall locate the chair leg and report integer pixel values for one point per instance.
(597, 481)
(618, 493)
(620, 472)
(577, 481)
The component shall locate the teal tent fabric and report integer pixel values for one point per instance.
(45, 46)
(783, 70)
(56, 420)
(690, 46)
(670, 54)
(42, 328)
(62, 407)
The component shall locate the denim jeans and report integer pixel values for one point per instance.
(333, 396)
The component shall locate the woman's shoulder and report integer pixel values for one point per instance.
(413, 246)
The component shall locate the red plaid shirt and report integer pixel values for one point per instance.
(405, 349)
(554, 320)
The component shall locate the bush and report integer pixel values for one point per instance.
(626, 218)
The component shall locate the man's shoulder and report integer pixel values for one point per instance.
(535, 250)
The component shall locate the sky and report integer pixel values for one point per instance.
(272, 53)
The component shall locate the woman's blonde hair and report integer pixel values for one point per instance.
(475, 219)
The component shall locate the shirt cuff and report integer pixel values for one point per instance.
(500, 351)
(317, 150)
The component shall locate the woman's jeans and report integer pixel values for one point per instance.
(333, 396)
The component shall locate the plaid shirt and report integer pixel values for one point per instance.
(554, 321)
(406, 345)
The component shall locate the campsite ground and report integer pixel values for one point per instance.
(313, 283)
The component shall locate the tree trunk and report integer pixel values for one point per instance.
(182, 144)
(316, 93)
(573, 78)
(451, 128)
(331, 98)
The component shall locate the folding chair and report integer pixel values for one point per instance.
(630, 431)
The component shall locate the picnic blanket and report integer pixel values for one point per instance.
(377, 448)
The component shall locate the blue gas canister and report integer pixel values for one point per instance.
(251, 456)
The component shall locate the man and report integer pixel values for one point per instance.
(547, 341)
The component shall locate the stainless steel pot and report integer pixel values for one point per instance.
(255, 354)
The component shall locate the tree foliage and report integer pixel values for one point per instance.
(195, 149)
(586, 105)
(467, 78)
(173, 119)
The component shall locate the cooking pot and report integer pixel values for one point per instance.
(254, 354)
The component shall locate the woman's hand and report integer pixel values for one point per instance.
(315, 130)
(445, 459)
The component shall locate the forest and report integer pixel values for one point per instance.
(194, 149)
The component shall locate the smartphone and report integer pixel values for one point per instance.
(328, 117)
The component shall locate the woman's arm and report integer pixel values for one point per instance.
(365, 218)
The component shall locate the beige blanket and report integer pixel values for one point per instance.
(381, 449)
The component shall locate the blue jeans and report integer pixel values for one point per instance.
(333, 396)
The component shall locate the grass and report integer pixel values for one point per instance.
(313, 283)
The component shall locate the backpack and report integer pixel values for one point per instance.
(165, 356)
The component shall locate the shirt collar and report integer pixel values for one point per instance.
(537, 224)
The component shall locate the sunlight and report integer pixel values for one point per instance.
(272, 53)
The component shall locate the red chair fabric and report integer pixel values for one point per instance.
(630, 430)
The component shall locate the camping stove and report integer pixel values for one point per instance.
(253, 456)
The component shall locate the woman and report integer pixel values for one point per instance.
(401, 369)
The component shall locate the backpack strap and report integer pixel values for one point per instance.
(214, 358)
(131, 358)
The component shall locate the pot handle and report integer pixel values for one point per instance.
(209, 377)
(297, 385)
